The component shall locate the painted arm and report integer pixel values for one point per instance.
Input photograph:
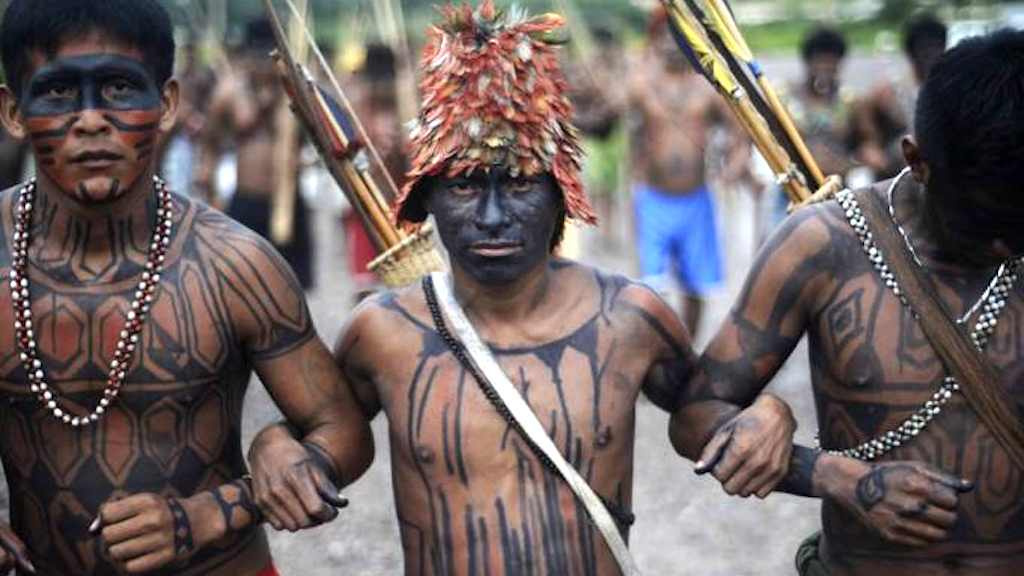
(288, 489)
(269, 316)
(759, 436)
(296, 483)
(906, 502)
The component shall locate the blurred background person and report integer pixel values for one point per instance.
(14, 160)
(179, 152)
(599, 97)
(820, 106)
(823, 112)
(886, 113)
(241, 118)
(675, 112)
(376, 104)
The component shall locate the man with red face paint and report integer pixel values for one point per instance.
(131, 319)
(496, 162)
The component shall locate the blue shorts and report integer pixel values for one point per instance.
(678, 232)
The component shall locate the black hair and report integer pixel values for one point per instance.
(922, 30)
(380, 62)
(44, 25)
(969, 121)
(823, 41)
(559, 234)
(259, 35)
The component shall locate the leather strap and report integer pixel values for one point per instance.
(980, 382)
(526, 421)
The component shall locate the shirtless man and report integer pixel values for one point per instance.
(131, 319)
(872, 368)
(822, 111)
(820, 108)
(377, 107)
(886, 114)
(579, 344)
(242, 113)
(676, 227)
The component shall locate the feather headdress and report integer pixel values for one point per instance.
(494, 95)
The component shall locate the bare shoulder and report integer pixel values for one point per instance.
(266, 302)
(810, 231)
(801, 262)
(635, 311)
(228, 241)
(386, 322)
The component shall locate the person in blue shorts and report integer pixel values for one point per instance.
(676, 116)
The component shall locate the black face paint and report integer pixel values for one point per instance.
(496, 228)
(93, 120)
(89, 82)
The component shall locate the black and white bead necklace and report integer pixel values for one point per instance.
(129, 337)
(992, 302)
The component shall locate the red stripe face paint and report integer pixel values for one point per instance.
(93, 120)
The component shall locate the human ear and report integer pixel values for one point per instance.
(10, 115)
(914, 158)
(170, 98)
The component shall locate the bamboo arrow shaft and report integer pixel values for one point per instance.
(719, 75)
(728, 27)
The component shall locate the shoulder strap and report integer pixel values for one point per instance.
(508, 397)
(980, 381)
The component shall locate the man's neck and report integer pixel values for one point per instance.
(932, 246)
(507, 304)
(100, 238)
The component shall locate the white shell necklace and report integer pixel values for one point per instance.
(992, 302)
(21, 300)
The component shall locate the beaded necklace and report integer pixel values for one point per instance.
(992, 303)
(625, 519)
(129, 337)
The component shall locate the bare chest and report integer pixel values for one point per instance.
(865, 342)
(443, 424)
(874, 370)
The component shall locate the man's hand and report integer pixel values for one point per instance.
(907, 503)
(750, 453)
(146, 531)
(13, 553)
(289, 485)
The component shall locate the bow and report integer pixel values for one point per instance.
(713, 43)
(331, 122)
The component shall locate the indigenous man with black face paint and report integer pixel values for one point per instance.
(901, 445)
(496, 162)
(131, 319)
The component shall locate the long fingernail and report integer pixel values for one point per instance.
(31, 567)
(966, 485)
(95, 526)
(700, 468)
